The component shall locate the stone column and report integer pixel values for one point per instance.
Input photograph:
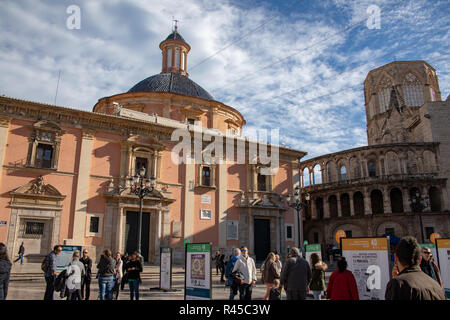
(386, 201)
(326, 208)
(424, 192)
(4, 128)
(313, 209)
(367, 204)
(189, 212)
(406, 203)
(338, 196)
(352, 208)
(82, 195)
(222, 206)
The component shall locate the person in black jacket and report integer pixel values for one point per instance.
(106, 270)
(21, 253)
(134, 269)
(5, 271)
(411, 283)
(86, 281)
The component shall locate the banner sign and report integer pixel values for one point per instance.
(165, 268)
(198, 277)
(312, 248)
(368, 260)
(65, 257)
(443, 253)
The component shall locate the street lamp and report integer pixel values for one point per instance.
(298, 205)
(141, 187)
(418, 204)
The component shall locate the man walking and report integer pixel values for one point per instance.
(246, 265)
(296, 276)
(86, 280)
(21, 253)
(429, 266)
(50, 272)
(411, 283)
(229, 270)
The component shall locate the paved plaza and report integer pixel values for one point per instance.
(27, 283)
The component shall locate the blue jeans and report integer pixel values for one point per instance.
(316, 294)
(106, 285)
(233, 293)
(134, 289)
(19, 258)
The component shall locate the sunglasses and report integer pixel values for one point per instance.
(427, 252)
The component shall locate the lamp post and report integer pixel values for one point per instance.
(141, 187)
(298, 205)
(418, 204)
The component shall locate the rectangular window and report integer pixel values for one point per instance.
(262, 182)
(289, 232)
(44, 154)
(34, 228)
(428, 232)
(94, 224)
(141, 163)
(206, 176)
(191, 121)
(182, 60)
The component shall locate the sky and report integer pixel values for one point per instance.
(293, 65)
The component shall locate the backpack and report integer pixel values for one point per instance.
(60, 280)
(44, 264)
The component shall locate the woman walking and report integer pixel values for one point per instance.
(270, 273)
(119, 274)
(134, 269)
(342, 283)
(318, 267)
(5, 271)
(106, 271)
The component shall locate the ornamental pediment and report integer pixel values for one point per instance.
(37, 188)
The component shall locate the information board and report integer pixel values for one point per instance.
(368, 260)
(65, 257)
(197, 285)
(443, 252)
(165, 268)
(312, 248)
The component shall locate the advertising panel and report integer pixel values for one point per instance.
(198, 275)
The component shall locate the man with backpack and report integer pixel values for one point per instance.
(229, 273)
(49, 268)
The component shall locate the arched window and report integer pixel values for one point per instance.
(342, 173)
(169, 58)
(372, 169)
(384, 94)
(411, 163)
(317, 174)
(358, 203)
(396, 198)
(376, 200)
(305, 177)
(412, 91)
(332, 203)
(319, 208)
(435, 199)
(345, 205)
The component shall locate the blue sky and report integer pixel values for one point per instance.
(301, 71)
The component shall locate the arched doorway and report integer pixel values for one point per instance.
(376, 200)
(435, 199)
(396, 198)
(319, 208)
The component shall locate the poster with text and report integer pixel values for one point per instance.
(310, 249)
(368, 260)
(443, 251)
(65, 257)
(198, 271)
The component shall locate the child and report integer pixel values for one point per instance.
(275, 292)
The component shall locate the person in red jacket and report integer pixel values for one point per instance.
(342, 284)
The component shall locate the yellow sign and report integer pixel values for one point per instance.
(443, 243)
(340, 234)
(434, 236)
(378, 244)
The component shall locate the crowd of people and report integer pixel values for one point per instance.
(415, 275)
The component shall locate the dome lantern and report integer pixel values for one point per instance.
(174, 53)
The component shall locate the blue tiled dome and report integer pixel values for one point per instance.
(175, 36)
(171, 82)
